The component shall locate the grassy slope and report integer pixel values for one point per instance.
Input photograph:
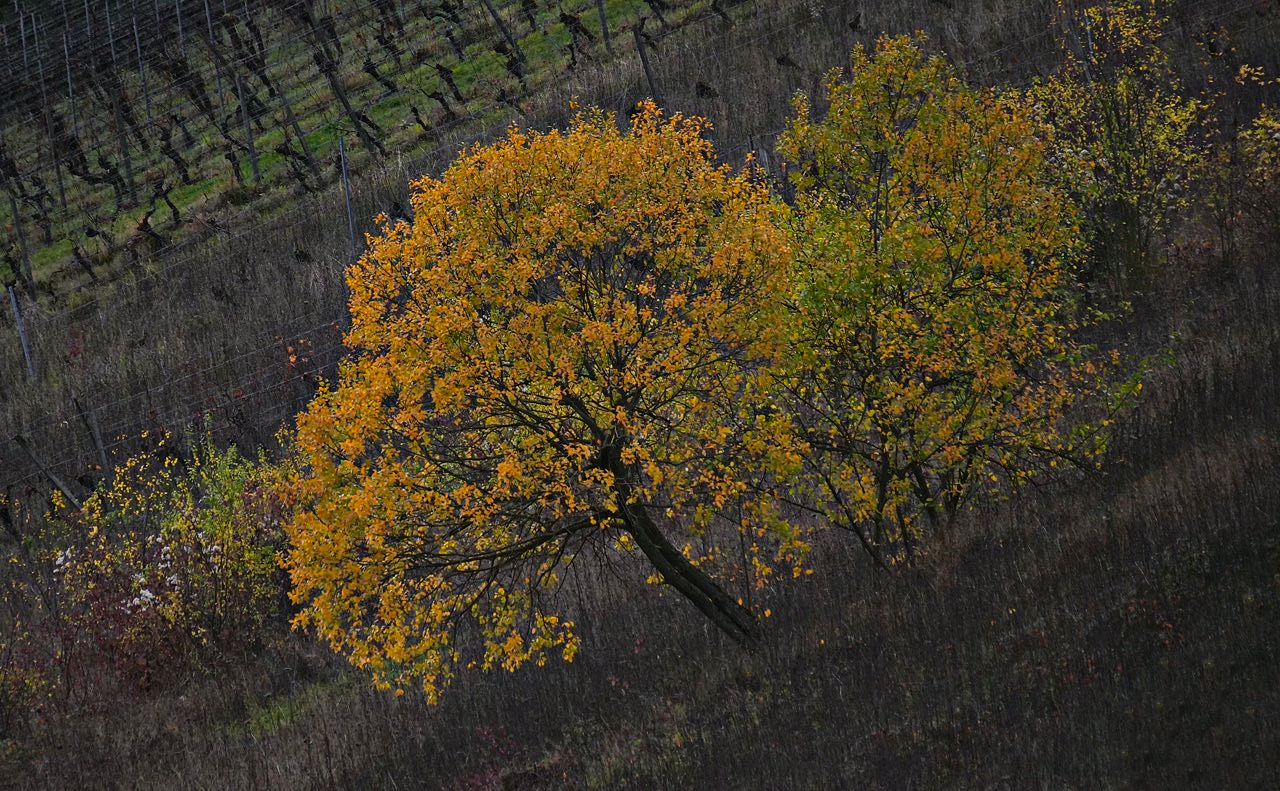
(1122, 633)
(205, 330)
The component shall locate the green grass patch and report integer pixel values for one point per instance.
(272, 715)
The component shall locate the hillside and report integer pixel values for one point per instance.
(1118, 633)
(1115, 629)
(139, 349)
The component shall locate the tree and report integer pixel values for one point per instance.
(1260, 148)
(563, 354)
(1125, 135)
(935, 352)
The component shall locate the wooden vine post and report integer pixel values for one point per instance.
(638, 31)
(22, 333)
(346, 193)
(604, 27)
(248, 129)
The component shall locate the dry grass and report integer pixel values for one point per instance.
(1121, 631)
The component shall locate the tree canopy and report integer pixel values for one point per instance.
(598, 342)
(936, 352)
(562, 353)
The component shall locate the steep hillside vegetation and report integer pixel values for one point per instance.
(1115, 627)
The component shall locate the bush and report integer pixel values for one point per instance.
(1260, 152)
(175, 568)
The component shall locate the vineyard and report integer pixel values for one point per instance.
(186, 182)
(180, 215)
(840, 420)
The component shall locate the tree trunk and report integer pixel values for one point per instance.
(506, 32)
(693, 583)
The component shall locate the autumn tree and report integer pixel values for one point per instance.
(1126, 138)
(1260, 150)
(935, 354)
(561, 355)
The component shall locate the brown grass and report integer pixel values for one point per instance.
(1119, 631)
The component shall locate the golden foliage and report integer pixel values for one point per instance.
(1260, 151)
(563, 352)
